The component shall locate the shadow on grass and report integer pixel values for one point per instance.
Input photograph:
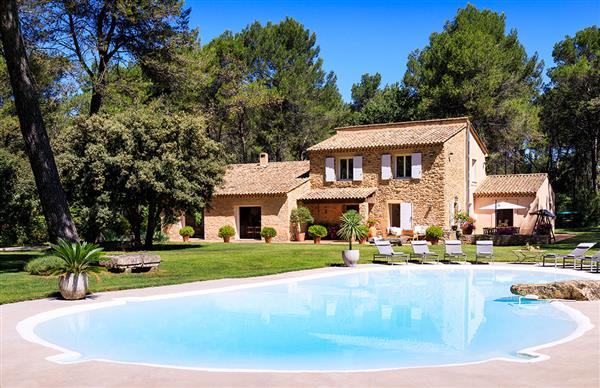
(15, 262)
(116, 246)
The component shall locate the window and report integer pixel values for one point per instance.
(346, 167)
(403, 166)
(474, 169)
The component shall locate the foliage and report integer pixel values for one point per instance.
(226, 231)
(393, 103)
(160, 237)
(464, 220)
(364, 232)
(475, 68)
(77, 257)
(351, 227)
(45, 265)
(186, 231)
(365, 90)
(317, 231)
(570, 117)
(268, 231)
(140, 160)
(434, 232)
(300, 216)
(371, 222)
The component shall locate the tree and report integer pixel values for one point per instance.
(570, 119)
(141, 160)
(98, 33)
(37, 145)
(474, 68)
(393, 103)
(365, 90)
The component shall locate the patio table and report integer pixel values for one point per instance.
(524, 254)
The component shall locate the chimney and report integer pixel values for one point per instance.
(263, 158)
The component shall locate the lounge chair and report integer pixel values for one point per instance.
(421, 251)
(575, 254)
(385, 251)
(592, 259)
(453, 250)
(484, 249)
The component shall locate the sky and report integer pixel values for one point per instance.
(358, 37)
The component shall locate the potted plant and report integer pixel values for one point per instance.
(365, 229)
(186, 232)
(299, 217)
(351, 228)
(226, 232)
(268, 233)
(466, 222)
(433, 234)
(79, 259)
(372, 224)
(317, 232)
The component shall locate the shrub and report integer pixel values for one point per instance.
(364, 230)
(226, 231)
(45, 265)
(351, 227)
(371, 222)
(160, 237)
(300, 216)
(434, 233)
(267, 231)
(186, 231)
(318, 231)
(77, 257)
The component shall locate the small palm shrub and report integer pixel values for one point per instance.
(351, 227)
(318, 231)
(226, 231)
(365, 232)
(434, 233)
(45, 265)
(268, 232)
(186, 231)
(77, 257)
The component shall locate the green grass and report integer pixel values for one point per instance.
(183, 263)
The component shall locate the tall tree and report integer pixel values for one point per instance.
(393, 103)
(365, 90)
(571, 121)
(99, 33)
(37, 145)
(475, 68)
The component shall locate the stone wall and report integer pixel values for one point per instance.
(425, 194)
(454, 176)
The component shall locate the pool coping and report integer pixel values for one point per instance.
(120, 297)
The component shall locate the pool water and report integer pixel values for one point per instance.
(375, 319)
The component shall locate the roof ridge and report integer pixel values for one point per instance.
(403, 124)
(519, 174)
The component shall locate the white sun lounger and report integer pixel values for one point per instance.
(592, 259)
(385, 251)
(421, 251)
(575, 254)
(453, 250)
(484, 249)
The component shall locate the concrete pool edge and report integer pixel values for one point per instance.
(25, 327)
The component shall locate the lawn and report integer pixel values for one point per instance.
(183, 263)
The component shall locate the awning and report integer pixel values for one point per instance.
(339, 193)
(502, 206)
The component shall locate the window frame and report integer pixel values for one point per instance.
(349, 160)
(409, 167)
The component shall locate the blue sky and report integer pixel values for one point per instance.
(359, 37)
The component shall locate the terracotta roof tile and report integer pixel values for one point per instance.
(274, 178)
(510, 185)
(339, 193)
(392, 135)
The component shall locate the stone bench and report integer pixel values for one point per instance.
(138, 262)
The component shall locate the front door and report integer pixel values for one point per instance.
(401, 215)
(250, 222)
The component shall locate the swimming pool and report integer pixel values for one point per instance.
(361, 319)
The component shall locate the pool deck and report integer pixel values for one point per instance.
(23, 364)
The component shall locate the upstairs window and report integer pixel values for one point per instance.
(346, 168)
(403, 166)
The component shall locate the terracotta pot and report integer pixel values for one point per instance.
(467, 231)
(186, 238)
(362, 241)
(268, 239)
(300, 236)
(350, 257)
(317, 240)
(73, 286)
(226, 239)
(372, 231)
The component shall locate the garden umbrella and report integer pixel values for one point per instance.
(501, 206)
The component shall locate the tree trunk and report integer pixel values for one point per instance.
(98, 88)
(153, 213)
(135, 221)
(52, 197)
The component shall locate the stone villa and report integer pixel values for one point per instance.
(399, 174)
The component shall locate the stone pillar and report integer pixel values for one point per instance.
(363, 209)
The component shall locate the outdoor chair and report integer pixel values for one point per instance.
(484, 250)
(453, 250)
(575, 254)
(420, 250)
(385, 251)
(592, 259)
